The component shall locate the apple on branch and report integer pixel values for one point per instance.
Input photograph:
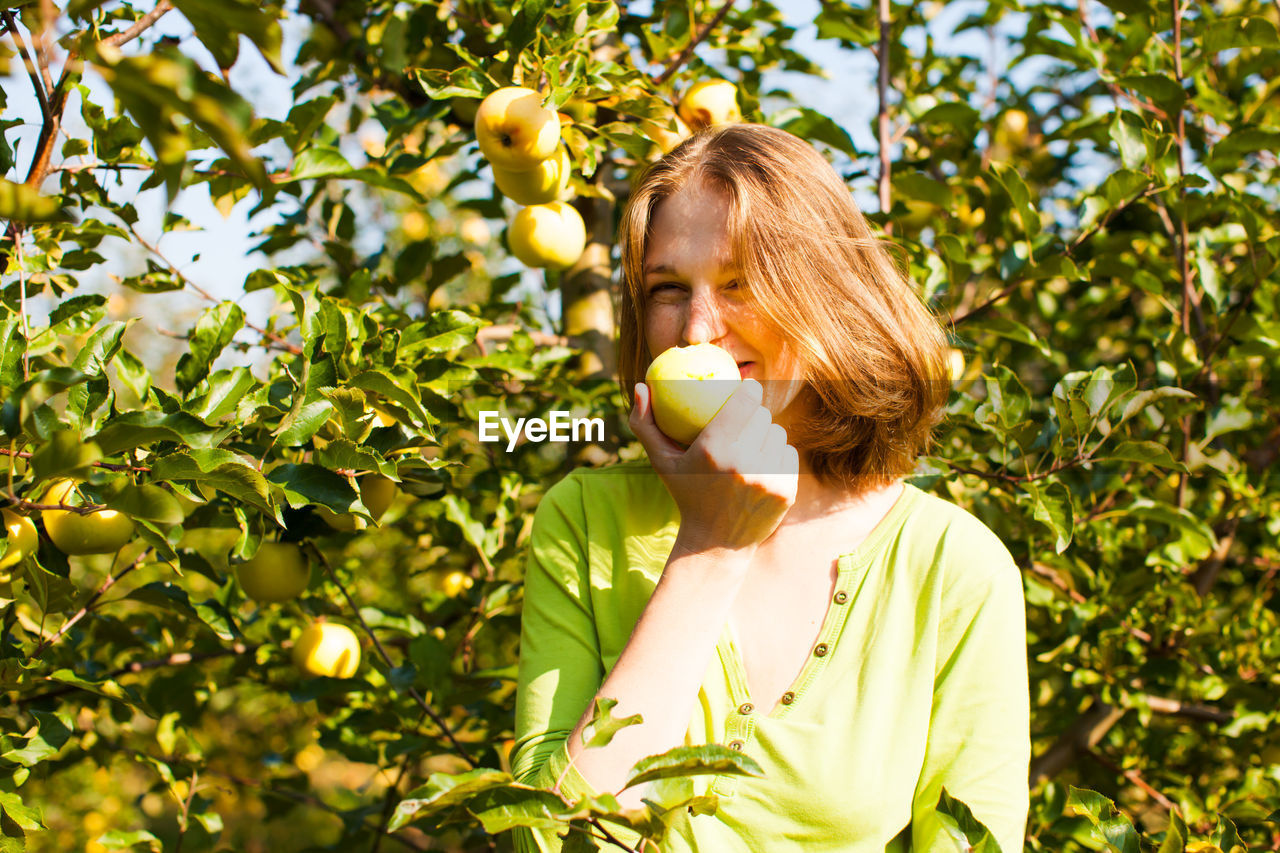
(546, 182)
(549, 235)
(688, 386)
(709, 103)
(279, 571)
(328, 649)
(102, 531)
(515, 130)
(22, 540)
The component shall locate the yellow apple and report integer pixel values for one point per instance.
(709, 103)
(955, 364)
(455, 583)
(547, 181)
(327, 648)
(377, 493)
(548, 235)
(103, 531)
(22, 538)
(687, 386)
(278, 572)
(515, 130)
(661, 132)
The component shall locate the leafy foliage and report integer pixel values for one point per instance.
(1097, 216)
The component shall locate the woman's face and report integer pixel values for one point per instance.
(692, 295)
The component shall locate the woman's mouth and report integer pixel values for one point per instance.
(746, 368)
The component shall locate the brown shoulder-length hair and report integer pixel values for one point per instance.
(873, 356)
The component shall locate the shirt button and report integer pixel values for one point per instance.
(746, 708)
(788, 698)
(820, 649)
(842, 597)
(735, 744)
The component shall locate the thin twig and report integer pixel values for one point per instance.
(284, 344)
(413, 693)
(118, 39)
(882, 87)
(89, 605)
(698, 38)
(41, 94)
(1133, 776)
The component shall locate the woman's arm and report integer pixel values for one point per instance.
(733, 486)
(979, 733)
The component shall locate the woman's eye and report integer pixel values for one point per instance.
(665, 290)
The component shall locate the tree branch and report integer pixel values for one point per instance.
(88, 605)
(1080, 736)
(41, 94)
(386, 659)
(882, 118)
(698, 38)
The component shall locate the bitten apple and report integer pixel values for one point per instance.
(515, 130)
(548, 235)
(688, 385)
(709, 103)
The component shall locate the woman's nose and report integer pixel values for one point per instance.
(704, 322)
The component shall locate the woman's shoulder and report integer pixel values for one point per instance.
(963, 548)
(607, 490)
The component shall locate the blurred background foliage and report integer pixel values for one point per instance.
(1087, 192)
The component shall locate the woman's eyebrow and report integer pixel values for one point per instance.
(656, 269)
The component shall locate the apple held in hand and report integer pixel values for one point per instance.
(329, 649)
(548, 235)
(709, 103)
(688, 385)
(22, 538)
(278, 572)
(103, 531)
(515, 130)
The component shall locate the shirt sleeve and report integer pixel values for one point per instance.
(979, 744)
(560, 667)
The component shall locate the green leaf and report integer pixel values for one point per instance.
(118, 839)
(299, 425)
(220, 23)
(319, 161)
(65, 453)
(311, 484)
(444, 791)
(21, 203)
(1023, 209)
(707, 759)
(1125, 132)
(150, 502)
(215, 329)
(1115, 830)
(168, 596)
(1051, 505)
(965, 830)
(25, 817)
(221, 470)
(1237, 32)
(814, 126)
(1144, 453)
(144, 428)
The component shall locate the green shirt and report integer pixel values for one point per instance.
(918, 680)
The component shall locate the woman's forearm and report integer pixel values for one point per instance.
(661, 668)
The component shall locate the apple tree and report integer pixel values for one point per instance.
(292, 615)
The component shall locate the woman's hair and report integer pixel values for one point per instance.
(873, 356)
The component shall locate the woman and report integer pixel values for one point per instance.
(776, 587)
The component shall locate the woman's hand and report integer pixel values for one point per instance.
(737, 480)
